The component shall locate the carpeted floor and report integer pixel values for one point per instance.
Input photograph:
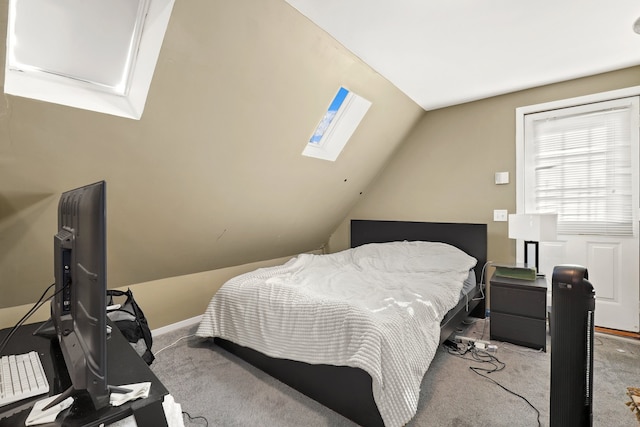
(209, 382)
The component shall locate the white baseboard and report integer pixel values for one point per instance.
(176, 326)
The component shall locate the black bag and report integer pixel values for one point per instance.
(130, 320)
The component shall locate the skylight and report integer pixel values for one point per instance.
(92, 54)
(337, 125)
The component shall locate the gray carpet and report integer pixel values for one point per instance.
(209, 382)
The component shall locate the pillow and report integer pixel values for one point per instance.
(412, 257)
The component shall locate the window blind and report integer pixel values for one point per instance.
(581, 167)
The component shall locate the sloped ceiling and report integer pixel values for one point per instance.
(212, 175)
(442, 53)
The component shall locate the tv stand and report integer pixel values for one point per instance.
(124, 366)
(46, 329)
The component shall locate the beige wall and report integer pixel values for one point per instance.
(212, 176)
(164, 301)
(444, 171)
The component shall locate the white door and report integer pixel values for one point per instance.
(578, 162)
(613, 270)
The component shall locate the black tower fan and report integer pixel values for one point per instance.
(573, 304)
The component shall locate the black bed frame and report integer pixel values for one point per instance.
(348, 390)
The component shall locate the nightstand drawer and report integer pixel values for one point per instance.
(519, 330)
(518, 301)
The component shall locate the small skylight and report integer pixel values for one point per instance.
(92, 54)
(338, 124)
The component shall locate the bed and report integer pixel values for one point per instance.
(350, 384)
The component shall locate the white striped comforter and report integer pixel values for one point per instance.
(376, 307)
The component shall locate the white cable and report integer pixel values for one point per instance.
(174, 343)
(482, 284)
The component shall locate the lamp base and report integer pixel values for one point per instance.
(531, 250)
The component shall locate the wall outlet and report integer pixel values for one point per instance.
(501, 215)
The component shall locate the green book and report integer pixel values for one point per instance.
(515, 272)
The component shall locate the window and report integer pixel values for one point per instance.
(581, 163)
(91, 54)
(337, 125)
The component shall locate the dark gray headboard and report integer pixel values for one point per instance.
(471, 238)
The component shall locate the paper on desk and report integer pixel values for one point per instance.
(138, 391)
(172, 412)
(38, 416)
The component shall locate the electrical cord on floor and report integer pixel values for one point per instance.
(174, 343)
(194, 418)
(471, 353)
(475, 355)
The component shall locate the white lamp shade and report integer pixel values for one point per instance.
(533, 227)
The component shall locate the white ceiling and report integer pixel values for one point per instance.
(443, 53)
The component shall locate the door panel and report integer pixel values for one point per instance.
(603, 258)
(613, 272)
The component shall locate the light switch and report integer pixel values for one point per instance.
(502, 178)
(500, 215)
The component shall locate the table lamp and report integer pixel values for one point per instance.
(533, 228)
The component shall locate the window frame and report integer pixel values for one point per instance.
(521, 114)
(340, 121)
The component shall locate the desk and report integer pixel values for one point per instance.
(124, 366)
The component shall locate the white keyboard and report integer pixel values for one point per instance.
(21, 376)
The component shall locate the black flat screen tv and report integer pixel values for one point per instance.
(78, 310)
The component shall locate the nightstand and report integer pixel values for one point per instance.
(519, 311)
